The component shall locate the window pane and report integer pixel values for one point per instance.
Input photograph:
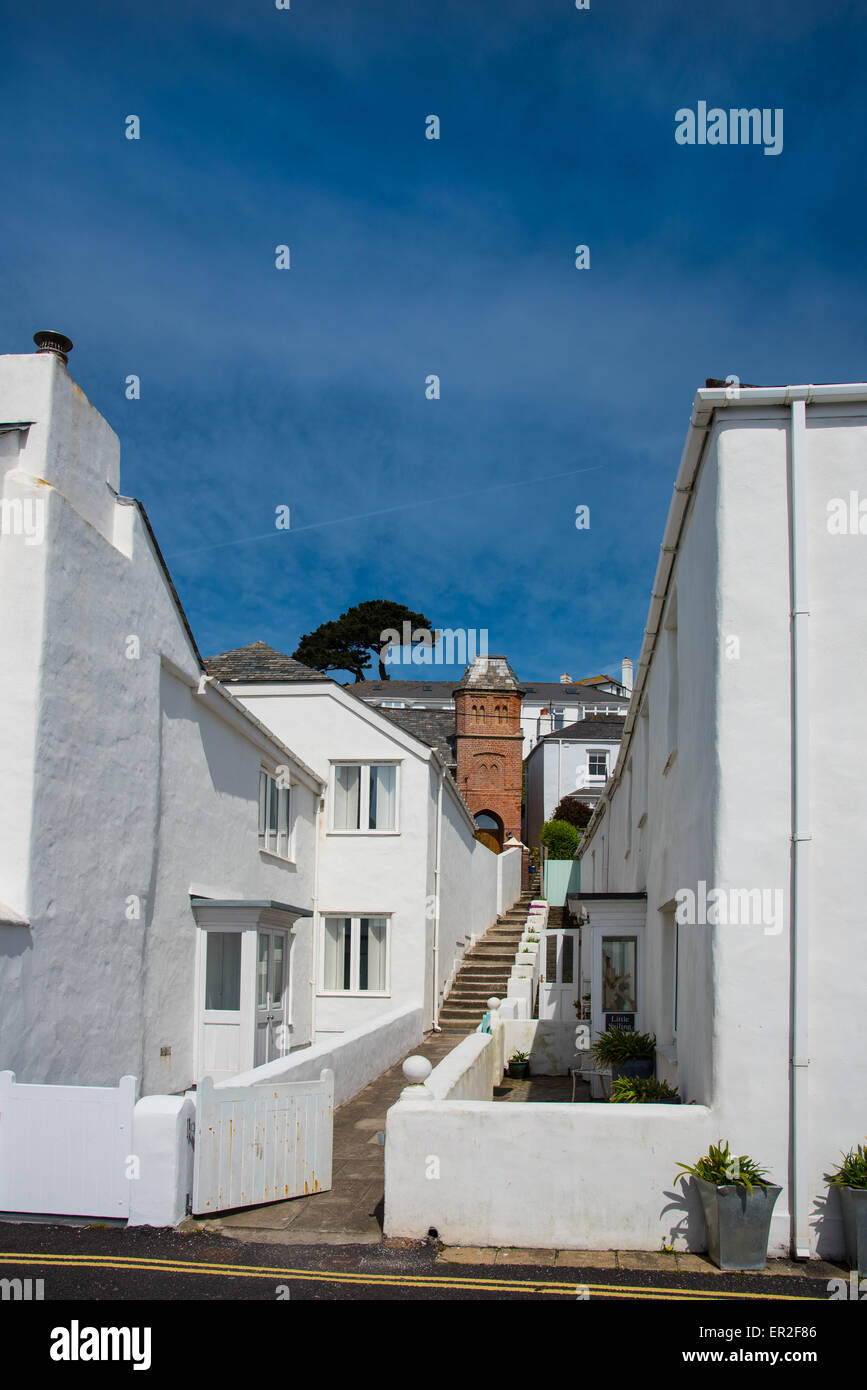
(262, 971)
(263, 795)
(273, 797)
(383, 781)
(223, 970)
(338, 945)
(347, 785)
(278, 942)
(551, 957)
(568, 976)
(371, 972)
(283, 821)
(618, 973)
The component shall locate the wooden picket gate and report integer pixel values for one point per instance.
(262, 1143)
(66, 1150)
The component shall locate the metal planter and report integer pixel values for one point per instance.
(738, 1223)
(642, 1066)
(853, 1201)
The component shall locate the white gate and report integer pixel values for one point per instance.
(558, 984)
(66, 1150)
(262, 1143)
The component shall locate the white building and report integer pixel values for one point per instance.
(574, 761)
(403, 886)
(738, 801)
(155, 911)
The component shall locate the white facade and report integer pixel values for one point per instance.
(558, 767)
(741, 779)
(424, 875)
(131, 783)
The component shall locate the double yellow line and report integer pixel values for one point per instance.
(560, 1289)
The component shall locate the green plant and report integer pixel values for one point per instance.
(620, 1045)
(519, 1057)
(640, 1090)
(561, 839)
(722, 1168)
(852, 1172)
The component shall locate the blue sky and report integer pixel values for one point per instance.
(306, 387)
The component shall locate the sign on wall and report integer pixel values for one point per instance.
(623, 1021)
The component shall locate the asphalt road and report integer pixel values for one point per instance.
(135, 1279)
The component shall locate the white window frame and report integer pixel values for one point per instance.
(267, 789)
(599, 776)
(364, 764)
(355, 957)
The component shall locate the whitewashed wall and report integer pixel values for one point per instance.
(119, 783)
(721, 811)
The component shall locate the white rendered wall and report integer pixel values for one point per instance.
(110, 746)
(722, 811)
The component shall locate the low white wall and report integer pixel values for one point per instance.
(356, 1057)
(158, 1196)
(469, 1072)
(551, 1045)
(580, 1176)
(508, 878)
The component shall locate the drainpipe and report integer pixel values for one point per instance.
(436, 940)
(314, 947)
(800, 833)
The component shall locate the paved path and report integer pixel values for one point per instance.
(351, 1212)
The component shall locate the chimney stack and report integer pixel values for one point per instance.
(626, 678)
(565, 679)
(55, 343)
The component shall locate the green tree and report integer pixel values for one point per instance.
(346, 643)
(560, 838)
(576, 812)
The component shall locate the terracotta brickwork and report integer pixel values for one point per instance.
(489, 744)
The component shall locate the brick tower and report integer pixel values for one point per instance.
(489, 741)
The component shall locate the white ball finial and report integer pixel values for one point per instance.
(494, 1002)
(417, 1069)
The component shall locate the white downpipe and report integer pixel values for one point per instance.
(436, 940)
(314, 959)
(800, 835)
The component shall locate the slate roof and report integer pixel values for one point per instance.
(604, 729)
(491, 673)
(546, 691)
(259, 662)
(435, 727)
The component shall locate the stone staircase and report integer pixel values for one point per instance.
(485, 969)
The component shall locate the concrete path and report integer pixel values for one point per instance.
(351, 1212)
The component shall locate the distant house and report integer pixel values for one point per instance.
(157, 842)
(402, 884)
(545, 705)
(574, 761)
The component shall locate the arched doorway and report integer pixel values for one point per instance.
(489, 829)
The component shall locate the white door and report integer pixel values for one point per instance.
(558, 984)
(271, 995)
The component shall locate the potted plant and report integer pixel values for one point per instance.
(850, 1180)
(738, 1203)
(626, 1052)
(518, 1066)
(641, 1090)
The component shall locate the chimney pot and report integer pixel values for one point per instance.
(56, 343)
